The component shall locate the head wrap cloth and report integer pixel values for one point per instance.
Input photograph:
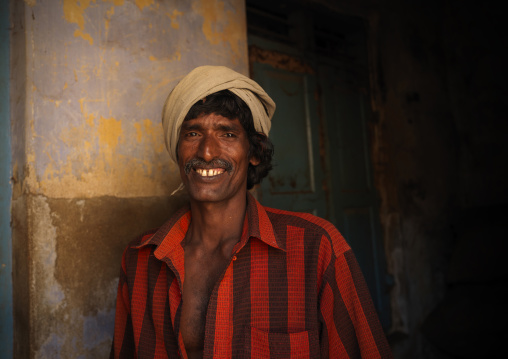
(206, 80)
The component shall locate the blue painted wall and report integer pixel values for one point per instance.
(6, 330)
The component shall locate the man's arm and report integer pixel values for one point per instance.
(351, 326)
(123, 339)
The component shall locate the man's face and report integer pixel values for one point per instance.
(213, 156)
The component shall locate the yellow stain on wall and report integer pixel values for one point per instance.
(176, 56)
(84, 36)
(89, 117)
(173, 17)
(81, 102)
(149, 129)
(56, 102)
(74, 13)
(90, 120)
(150, 134)
(139, 132)
(109, 14)
(133, 178)
(110, 130)
(223, 26)
(143, 3)
(104, 171)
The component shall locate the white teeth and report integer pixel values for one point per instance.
(208, 173)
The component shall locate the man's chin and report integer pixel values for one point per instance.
(205, 193)
(206, 198)
(212, 194)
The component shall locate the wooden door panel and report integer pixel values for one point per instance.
(290, 134)
(354, 198)
(347, 137)
(292, 182)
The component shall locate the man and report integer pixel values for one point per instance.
(226, 277)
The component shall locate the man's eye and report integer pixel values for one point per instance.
(191, 134)
(229, 134)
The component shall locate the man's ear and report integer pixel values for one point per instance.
(254, 161)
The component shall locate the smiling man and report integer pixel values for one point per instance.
(225, 277)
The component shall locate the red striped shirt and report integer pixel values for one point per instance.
(293, 289)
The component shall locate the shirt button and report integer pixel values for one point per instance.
(234, 258)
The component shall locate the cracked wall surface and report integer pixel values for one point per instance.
(90, 168)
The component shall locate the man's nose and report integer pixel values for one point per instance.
(209, 148)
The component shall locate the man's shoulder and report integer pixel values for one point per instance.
(301, 219)
(315, 228)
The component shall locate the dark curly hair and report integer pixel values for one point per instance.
(227, 104)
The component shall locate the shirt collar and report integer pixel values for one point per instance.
(169, 237)
(259, 225)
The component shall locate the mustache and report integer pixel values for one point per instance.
(215, 163)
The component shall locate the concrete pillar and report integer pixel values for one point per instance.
(90, 167)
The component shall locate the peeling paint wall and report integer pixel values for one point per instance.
(90, 169)
(105, 78)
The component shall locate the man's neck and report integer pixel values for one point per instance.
(216, 224)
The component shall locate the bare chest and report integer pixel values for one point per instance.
(201, 276)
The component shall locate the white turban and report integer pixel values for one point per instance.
(206, 80)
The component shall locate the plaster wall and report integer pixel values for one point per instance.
(90, 168)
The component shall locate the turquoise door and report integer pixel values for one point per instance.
(296, 182)
(322, 156)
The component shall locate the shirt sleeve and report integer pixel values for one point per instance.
(123, 340)
(351, 326)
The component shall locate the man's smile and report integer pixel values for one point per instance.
(209, 172)
(208, 169)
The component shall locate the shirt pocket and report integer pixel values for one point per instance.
(280, 345)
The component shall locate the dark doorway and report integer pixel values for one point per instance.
(313, 63)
